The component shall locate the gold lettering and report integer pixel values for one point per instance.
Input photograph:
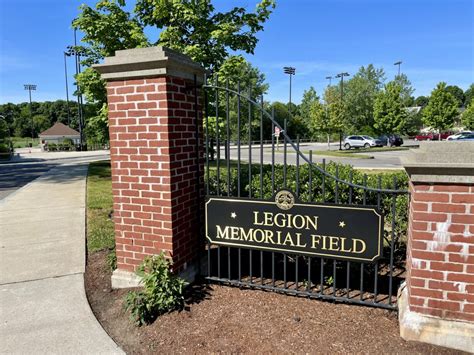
(279, 220)
(262, 235)
(269, 236)
(333, 243)
(289, 239)
(315, 240)
(343, 246)
(298, 241)
(234, 233)
(255, 219)
(222, 234)
(301, 222)
(362, 244)
(246, 237)
(268, 219)
(314, 223)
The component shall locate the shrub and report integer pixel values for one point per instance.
(52, 147)
(162, 291)
(111, 260)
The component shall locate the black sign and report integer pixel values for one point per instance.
(338, 231)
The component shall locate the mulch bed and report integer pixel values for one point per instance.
(232, 320)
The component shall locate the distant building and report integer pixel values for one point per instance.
(58, 133)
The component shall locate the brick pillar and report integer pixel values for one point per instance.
(437, 304)
(150, 94)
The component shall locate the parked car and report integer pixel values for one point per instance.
(360, 142)
(457, 135)
(391, 140)
(466, 137)
(432, 136)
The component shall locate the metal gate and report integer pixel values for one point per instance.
(244, 159)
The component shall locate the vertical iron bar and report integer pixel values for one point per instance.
(219, 261)
(362, 281)
(321, 277)
(308, 286)
(207, 136)
(284, 155)
(296, 272)
(228, 263)
(227, 141)
(298, 166)
(238, 139)
(198, 171)
(273, 151)
(334, 266)
(208, 259)
(376, 266)
(348, 273)
(261, 147)
(336, 192)
(250, 142)
(240, 264)
(323, 183)
(261, 267)
(251, 267)
(273, 269)
(392, 241)
(284, 270)
(364, 201)
(218, 148)
(351, 190)
(310, 167)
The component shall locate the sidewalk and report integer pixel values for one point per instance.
(43, 306)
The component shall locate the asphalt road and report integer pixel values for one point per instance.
(26, 167)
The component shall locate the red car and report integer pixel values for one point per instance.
(432, 136)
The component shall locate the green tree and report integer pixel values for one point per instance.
(4, 131)
(441, 110)
(359, 95)
(421, 101)
(406, 90)
(467, 118)
(469, 95)
(389, 111)
(310, 98)
(457, 92)
(190, 27)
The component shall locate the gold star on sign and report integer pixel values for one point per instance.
(233, 215)
(342, 224)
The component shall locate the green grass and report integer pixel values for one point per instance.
(22, 142)
(100, 228)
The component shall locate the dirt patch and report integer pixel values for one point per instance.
(233, 320)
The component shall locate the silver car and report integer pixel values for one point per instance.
(359, 142)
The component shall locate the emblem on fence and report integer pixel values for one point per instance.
(284, 199)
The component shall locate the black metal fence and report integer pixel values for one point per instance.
(255, 170)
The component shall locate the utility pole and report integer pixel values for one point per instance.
(398, 63)
(341, 75)
(31, 87)
(290, 71)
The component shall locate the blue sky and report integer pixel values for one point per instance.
(433, 38)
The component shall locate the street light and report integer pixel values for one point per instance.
(341, 75)
(290, 71)
(31, 87)
(398, 63)
(329, 78)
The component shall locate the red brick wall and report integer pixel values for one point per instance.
(153, 156)
(440, 256)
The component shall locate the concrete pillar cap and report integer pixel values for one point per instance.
(149, 62)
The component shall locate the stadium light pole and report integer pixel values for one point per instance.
(398, 63)
(341, 75)
(290, 71)
(329, 78)
(67, 89)
(30, 88)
